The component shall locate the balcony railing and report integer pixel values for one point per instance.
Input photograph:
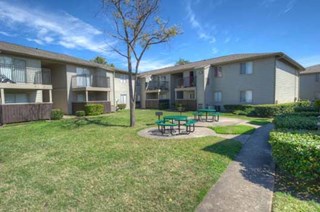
(84, 80)
(186, 82)
(21, 74)
(156, 85)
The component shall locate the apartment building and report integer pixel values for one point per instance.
(310, 83)
(265, 78)
(33, 81)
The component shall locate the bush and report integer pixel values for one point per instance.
(56, 114)
(317, 105)
(297, 154)
(295, 122)
(122, 106)
(304, 109)
(93, 109)
(305, 114)
(267, 110)
(232, 108)
(80, 113)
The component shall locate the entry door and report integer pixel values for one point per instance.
(19, 73)
(191, 79)
(83, 79)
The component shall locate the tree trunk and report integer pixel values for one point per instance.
(131, 93)
(132, 103)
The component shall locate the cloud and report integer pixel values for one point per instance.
(227, 40)
(150, 64)
(7, 34)
(202, 33)
(290, 5)
(310, 60)
(46, 27)
(214, 50)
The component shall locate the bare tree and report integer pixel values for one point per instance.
(137, 27)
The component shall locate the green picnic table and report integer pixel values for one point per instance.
(177, 118)
(207, 111)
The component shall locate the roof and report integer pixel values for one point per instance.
(42, 54)
(224, 60)
(312, 70)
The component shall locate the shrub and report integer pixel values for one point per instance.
(304, 109)
(295, 122)
(232, 108)
(317, 105)
(305, 113)
(297, 154)
(122, 106)
(80, 113)
(56, 114)
(93, 109)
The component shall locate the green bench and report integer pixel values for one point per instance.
(190, 125)
(197, 115)
(215, 116)
(163, 125)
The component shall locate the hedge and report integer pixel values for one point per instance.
(297, 154)
(296, 122)
(94, 109)
(122, 106)
(80, 113)
(56, 114)
(268, 110)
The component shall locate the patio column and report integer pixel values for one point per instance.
(87, 96)
(2, 96)
(50, 96)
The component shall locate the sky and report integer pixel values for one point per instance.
(210, 28)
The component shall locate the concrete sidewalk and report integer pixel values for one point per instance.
(247, 184)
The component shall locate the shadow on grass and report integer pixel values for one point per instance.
(80, 122)
(306, 191)
(259, 122)
(254, 158)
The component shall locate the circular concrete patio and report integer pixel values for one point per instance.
(201, 130)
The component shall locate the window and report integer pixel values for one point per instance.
(179, 94)
(16, 98)
(81, 98)
(217, 72)
(123, 99)
(123, 78)
(217, 96)
(246, 96)
(6, 67)
(317, 77)
(246, 68)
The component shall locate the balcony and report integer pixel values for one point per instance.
(186, 82)
(20, 74)
(90, 82)
(158, 85)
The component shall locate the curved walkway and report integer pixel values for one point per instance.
(247, 184)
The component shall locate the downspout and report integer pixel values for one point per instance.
(113, 89)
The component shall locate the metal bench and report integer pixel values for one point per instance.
(197, 115)
(162, 126)
(190, 123)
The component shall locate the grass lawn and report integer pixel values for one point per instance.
(291, 195)
(235, 129)
(100, 164)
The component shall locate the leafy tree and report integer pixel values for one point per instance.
(137, 27)
(182, 61)
(102, 60)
